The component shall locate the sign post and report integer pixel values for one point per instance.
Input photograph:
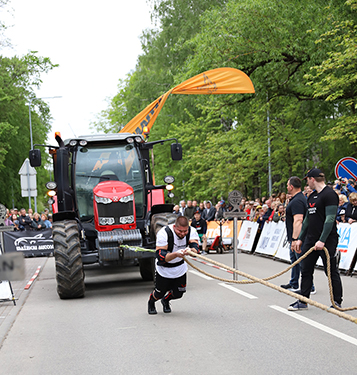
(234, 198)
(28, 181)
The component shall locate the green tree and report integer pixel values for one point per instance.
(225, 137)
(274, 43)
(18, 77)
(335, 79)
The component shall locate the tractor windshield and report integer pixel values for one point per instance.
(96, 163)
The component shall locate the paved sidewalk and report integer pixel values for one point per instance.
(9, 311)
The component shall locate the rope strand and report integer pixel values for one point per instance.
(336, 310)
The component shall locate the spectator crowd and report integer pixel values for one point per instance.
(259, 210)
(272, 208)
(28, 220)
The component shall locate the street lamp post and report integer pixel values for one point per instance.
(30, 102)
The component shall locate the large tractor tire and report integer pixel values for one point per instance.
(147, 268)
(147, 265)
(159, 221)
(68, 259)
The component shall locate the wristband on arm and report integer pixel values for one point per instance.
(193, 245)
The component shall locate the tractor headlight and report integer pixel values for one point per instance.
(106, 220)
(127, 219)
(51, 193)
(128, 198)
(51, 185)
(103, 200)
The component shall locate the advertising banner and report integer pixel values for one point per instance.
(283, 252)
(247, 235)
(31, 243)
(347, 244)
(270, 238)
(213, 229)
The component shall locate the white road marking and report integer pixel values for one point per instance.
(331, 331)
(201, 275)
(232, 288)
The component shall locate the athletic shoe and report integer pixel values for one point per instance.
(286, 286)
(337, 304)
(289, 287)
(166, 305)
(298, 305)
(313, 290)
(151, 308)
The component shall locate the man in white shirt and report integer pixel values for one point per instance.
(172, 242)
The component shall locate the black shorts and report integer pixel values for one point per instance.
(164, 284)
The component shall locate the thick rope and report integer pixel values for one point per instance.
(336, 310)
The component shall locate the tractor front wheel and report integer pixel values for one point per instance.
(68, 259)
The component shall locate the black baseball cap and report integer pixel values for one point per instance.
(314, 172)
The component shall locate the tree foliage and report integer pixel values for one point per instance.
(300, 57)
(18, 77)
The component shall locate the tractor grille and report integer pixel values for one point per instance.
(116, 210)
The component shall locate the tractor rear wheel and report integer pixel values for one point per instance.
(68, 259)
(158, 221)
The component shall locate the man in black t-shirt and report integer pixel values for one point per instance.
(295, 213)
(318, 230)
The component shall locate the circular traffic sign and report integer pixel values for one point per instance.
(346, 168)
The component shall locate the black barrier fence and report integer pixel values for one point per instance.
(30, 243)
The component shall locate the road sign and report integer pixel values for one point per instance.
(346, 168)
(28, 180)
(234, 198)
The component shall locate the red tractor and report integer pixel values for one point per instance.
(107, 205)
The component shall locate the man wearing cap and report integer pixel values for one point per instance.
(201, 227)
(318, 230)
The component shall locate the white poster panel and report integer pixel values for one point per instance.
(284, 248)
(347, 244)
(5, 289)
(247, 235)
(270, 238)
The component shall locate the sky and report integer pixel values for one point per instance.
(95, 43)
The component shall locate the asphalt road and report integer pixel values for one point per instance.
(213, 329)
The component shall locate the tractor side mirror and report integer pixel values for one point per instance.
(35, 158)
(176, 151)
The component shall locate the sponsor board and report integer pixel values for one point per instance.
(30, 243)
(247, 235)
